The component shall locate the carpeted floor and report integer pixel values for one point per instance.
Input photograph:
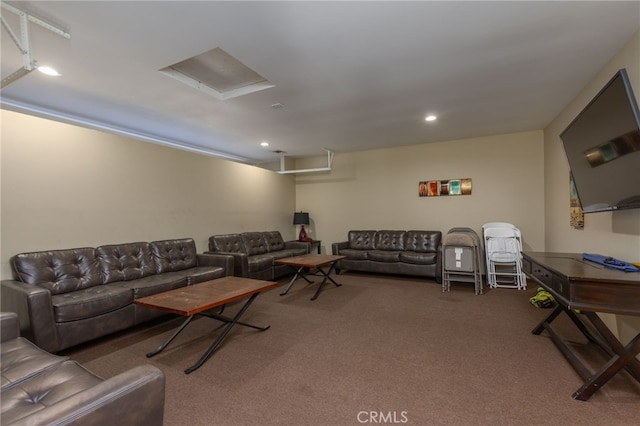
(377, 350)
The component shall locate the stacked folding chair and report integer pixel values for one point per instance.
(503, 253)
(462, 259)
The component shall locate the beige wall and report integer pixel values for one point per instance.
(65, 186)
(378, 189)
(598, 235)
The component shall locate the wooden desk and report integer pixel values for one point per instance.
(578, 284)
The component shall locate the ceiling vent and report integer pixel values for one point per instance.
(218, 74)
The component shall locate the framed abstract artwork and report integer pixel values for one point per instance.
(576, 216)
(442, 187)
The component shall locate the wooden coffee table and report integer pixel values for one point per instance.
(198, 298)
(310, 262)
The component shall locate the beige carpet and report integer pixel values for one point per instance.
(377, 350)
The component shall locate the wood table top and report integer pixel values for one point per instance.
(310, 260)
(200, 297)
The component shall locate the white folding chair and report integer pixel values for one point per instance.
(502, 225)
(504, 259)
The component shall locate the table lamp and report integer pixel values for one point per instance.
(301, 218)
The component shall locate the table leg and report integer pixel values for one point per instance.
(233, 321)
(622, 357)
(226, 319)
(299, 274)
(165, 344)
(553, 315)
(625, 357)
(326, 277)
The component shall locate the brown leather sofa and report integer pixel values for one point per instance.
(67, 297)
(255, 252)
(416, 253)
(39, 388)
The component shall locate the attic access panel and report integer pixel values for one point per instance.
(218, 74)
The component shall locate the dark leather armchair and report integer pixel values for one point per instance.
(40, 388)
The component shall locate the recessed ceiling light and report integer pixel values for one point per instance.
(264, 143)
(430, 118)
(48, 71)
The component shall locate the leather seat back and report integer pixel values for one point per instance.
(174, 255)
(59, 271)
(124, 262)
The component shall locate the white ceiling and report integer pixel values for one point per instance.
(351, 75)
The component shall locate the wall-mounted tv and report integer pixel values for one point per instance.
(603, 148)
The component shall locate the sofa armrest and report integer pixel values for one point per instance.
(438, 274)
(134, 397)
(34, 308)
(216, 259)
(240, 262)
(297, 245)
(9, 326)
(336, 247)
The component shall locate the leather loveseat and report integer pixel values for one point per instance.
(416, 253)
(67, 297)
(255, 252)
(39, 388)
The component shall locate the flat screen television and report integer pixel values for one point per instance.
(603, 149)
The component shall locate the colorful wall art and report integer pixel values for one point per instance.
(576, 217)
(438, 188)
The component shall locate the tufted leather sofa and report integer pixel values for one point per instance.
(40, 388)
(67, 297)
(392, 252)
(254, 253)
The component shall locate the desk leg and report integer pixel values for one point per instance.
(222, 335)
(543, 324)
(299, 274)
(326, 277)
(572, 315)
(625, 357)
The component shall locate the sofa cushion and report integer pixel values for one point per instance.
(418, 258)
(89, 302)
(59, 271)
(390, 240)
(174, 255)
(355, 254)
(154, 284)
(422, 241)
(362, 240)
(200, 274)
(44, 390)
(230, 243)
(124, 262)
(282, 254)
(254, 243)
(260, 262)
(384, 255)
(21, 360)
(274, 240)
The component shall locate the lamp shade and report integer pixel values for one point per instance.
(300, 218)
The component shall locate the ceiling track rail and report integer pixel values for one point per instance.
(23, 42)
(283, 170)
